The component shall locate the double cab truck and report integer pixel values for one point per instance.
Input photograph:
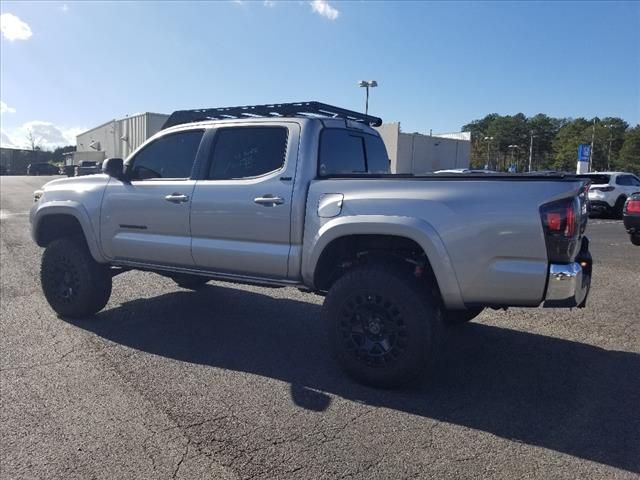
(300, 195)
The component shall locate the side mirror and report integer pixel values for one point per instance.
(114, 167)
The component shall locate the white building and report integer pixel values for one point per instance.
(116, 138)
(417, 153)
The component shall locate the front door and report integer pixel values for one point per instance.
(146, 219)
(241, 211)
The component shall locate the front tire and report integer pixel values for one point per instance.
(635, 239)
(74, 284)
(382, 328)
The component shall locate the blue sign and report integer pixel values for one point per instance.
(584, 150)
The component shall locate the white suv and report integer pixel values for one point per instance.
(609, 191)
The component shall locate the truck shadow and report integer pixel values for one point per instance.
(561, 395)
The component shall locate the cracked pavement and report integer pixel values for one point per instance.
(234, 382)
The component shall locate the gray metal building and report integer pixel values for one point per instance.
(418, 153)
(117, 138)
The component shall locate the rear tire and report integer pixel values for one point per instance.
(618, 208)
(74, 284)
(383, 329)
(459, 317)
(635, 239)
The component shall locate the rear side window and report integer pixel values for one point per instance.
(171, 156)
(245, 152)
(626, 180)
(345, 152)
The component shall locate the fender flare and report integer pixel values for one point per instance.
(412, 228)
(76, 210)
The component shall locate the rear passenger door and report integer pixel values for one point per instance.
(241, 210)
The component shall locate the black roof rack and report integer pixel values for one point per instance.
(310, 109)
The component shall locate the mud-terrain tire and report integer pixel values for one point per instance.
(383, 326)
(74, 284)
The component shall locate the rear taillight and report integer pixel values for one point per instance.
(561, 221)
(632, 206)
(603, 189)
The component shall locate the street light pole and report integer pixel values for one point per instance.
(488, 139)
(367, 84)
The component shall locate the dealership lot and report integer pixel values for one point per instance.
(235, 382)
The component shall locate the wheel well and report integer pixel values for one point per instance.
(346, 252)
(57, 226)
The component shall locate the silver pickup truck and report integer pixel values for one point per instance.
(299, 195)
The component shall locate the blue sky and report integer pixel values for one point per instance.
(69, 66)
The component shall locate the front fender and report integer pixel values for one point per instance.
(414, 229)
(74, 209)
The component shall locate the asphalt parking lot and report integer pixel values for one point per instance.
(234, 382)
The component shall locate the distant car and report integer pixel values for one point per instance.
(609, 191)
(631, 217)
(86, 167)
(42, 168)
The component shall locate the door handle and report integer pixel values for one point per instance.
(177, 198)
(269, 200)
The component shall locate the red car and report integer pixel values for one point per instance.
(631, 217)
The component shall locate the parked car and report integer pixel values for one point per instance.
(41, 168)
(304, 199)
(86, 167)
(631, 217)
(609, 191)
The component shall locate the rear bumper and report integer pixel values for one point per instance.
(632, 223)
(568, 284)
(598, 206)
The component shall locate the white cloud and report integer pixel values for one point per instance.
(13, 28)
(64, 8)
(5, 141)
(322, 7)
(4, 108)
(47, 135)
(269, 3)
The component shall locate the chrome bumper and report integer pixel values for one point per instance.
(568, 284)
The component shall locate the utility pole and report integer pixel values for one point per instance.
(531, 150)
(593, 136)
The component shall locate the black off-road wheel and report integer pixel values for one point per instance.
(460, 317)
(190, 282)
(383, 328)
(74, 284)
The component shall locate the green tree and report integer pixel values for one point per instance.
(629, 156)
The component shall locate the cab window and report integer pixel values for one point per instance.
(171, 156)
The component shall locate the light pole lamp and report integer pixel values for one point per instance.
(367, 84)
